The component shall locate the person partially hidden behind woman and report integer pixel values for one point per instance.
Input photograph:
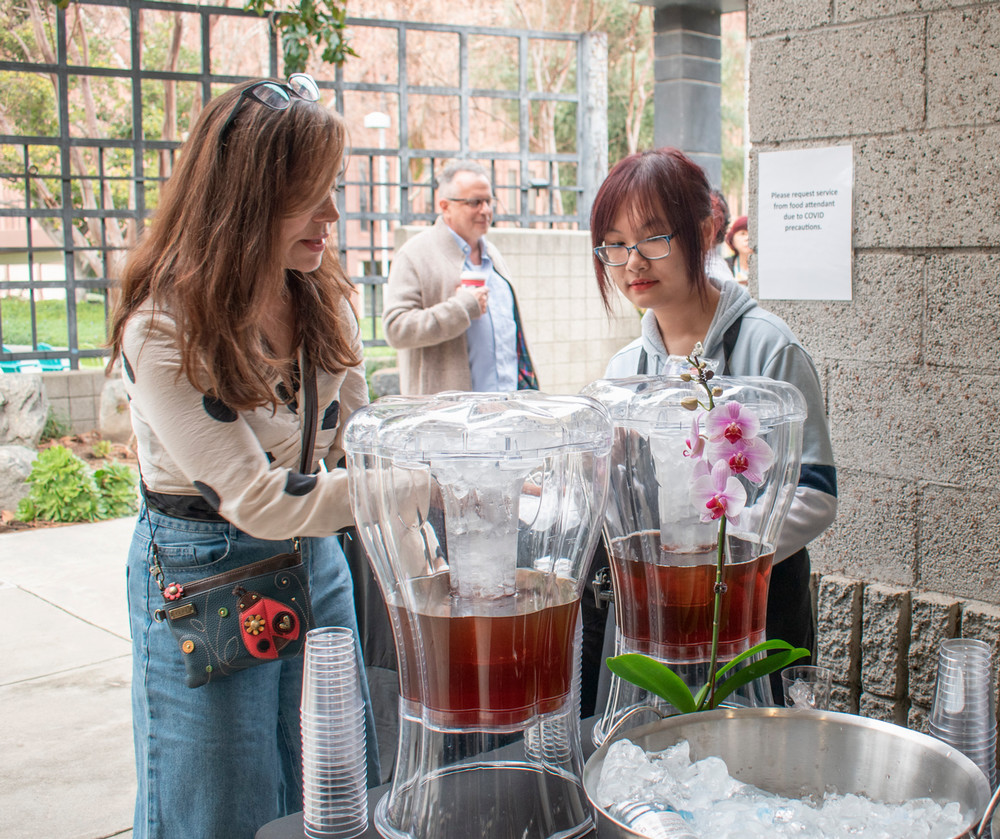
(738, 239)
(651, 226)
(224, 298)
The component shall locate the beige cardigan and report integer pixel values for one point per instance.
(423, 316)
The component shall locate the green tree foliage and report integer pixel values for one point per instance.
(733, 111)
(308, 22)
(630, 78)
(29, 106)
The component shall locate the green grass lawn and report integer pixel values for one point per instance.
(50, 320)
(51, 325)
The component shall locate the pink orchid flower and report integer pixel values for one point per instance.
(731, 422)
(749, 457)
(696, 443)
(719, 494)
(702, 469)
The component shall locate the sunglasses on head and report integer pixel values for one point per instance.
(274, 95)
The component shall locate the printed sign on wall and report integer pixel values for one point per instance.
(804, 224)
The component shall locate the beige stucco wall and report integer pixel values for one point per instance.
(570, 336)
(909, 365)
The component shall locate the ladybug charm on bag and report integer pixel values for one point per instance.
(266, 624)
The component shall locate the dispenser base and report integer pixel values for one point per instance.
(499, 799)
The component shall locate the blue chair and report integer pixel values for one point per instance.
(12, 366)
(51, 364)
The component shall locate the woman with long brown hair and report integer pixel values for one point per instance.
(228, 302)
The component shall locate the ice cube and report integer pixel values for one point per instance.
(714, 804)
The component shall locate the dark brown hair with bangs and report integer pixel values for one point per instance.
(212, 255)
(661, 184)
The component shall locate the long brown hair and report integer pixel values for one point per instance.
(661, 183)
(212, 255)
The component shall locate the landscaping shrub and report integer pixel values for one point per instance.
(64, 489)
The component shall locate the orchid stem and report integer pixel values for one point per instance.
(717, 616)
(720, 587)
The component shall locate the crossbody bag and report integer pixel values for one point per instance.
(250, 615)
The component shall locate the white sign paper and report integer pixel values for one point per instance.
(804, 224)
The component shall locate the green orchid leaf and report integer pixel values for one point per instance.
(702, 695)
(651, 675)
(764, 667)
(763, 646)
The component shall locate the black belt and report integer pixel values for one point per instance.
(190, 507)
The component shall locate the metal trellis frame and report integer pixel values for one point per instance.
(72, 226)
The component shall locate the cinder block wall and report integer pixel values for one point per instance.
(909, 365)
(75, 397)
(569, 334)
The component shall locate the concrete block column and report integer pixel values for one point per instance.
(687, 46)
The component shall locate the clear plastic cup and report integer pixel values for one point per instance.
(325, 770)
(332, 719)
(963, 701)
(962, 712)
(953, 648)
(322, 812)
(326, 810)
(334, 768)
(807, 686)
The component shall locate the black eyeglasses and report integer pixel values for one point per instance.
(655, 247)
(474, 203)
(273, 95)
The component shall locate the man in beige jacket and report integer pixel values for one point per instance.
(450, 335)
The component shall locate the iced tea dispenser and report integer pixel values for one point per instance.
(479, 513)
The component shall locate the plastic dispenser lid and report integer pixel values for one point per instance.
(655, 401)
(495, 426)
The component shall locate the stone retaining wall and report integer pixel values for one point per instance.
(882, 644)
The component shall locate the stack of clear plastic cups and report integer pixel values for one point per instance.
(962, 714)
(334, 792)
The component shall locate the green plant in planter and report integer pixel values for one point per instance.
(728, 448)
(101, 449)
(117, 483)
(64, 489)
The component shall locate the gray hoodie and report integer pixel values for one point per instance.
(765, 347)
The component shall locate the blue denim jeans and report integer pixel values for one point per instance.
(223, 759)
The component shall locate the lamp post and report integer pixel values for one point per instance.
(380, 121)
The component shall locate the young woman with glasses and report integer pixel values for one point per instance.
(652, 227)
(227, 302)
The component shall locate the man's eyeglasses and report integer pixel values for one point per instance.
(273, 95)
(475, 203)
(655, 247)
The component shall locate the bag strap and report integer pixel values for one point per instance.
(310, 419)
(729, 343)
(310, 414)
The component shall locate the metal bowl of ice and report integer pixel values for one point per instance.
(794, 754)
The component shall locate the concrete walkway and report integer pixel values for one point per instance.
(66, 764)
